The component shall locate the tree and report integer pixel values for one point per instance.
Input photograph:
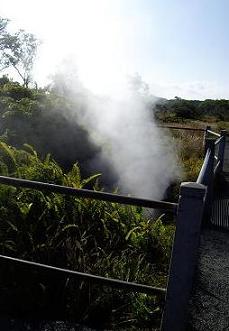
(3, 24)
(17, 50)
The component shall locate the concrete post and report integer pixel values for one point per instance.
(184, 256)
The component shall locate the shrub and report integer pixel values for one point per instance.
(86, 235)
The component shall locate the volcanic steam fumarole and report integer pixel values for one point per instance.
(122, 124)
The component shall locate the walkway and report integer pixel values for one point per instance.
(210, 299)
(220, 209)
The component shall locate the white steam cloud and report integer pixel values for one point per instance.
(122, 124)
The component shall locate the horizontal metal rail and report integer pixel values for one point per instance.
(217, 167)
(218, 141)
(213, 133)
(180, 128)
(204, 169)
(111, 282)
(163, 205)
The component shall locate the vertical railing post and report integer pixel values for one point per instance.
(184, 256)
(205, 137)
(223, 134)
(209, 179)
(210, 144)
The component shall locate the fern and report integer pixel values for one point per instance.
(8, 154)
(31, 150)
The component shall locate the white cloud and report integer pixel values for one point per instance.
(200, 90)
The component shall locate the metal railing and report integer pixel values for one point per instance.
(89, 194)
(194, 206)
(214, 156)
(212, 165)
(111, 282)
(181, 128)
(213, 133)
(204, 174)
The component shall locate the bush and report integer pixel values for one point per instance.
(86, 235)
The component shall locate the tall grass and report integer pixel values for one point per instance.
(188, 146)
(91, 236)
(190, 152)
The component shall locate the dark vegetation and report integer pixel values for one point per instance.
(84, 235)
(181, 110)
(43, 119)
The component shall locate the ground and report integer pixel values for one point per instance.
(210, 299)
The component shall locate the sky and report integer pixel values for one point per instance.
(178, 47)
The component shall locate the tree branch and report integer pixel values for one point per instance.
(18, 71)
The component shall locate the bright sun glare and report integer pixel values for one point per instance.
(88, 31)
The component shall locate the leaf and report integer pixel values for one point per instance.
(30, 149)
(12, 226)
(47, 159)
(25, 208)
(9, 152)
(9, 244)
(131, 231)
(89, 179)
(69, 226)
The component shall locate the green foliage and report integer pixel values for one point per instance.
(16, 91)
(178, 109)
(190, 152)
(48, 122)
(91, 236)
(3, 25)
(17, 50)
(4, 80)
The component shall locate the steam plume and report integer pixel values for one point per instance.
(123, 126)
